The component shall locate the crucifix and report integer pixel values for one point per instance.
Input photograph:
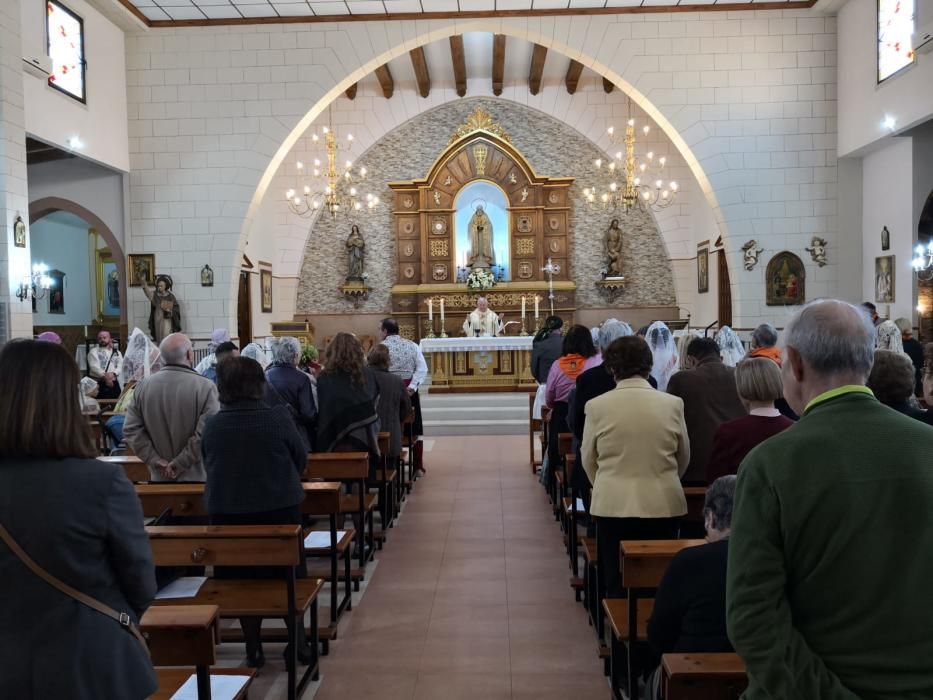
(551, 269)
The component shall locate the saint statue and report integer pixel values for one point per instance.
(481, 253)
(614, 250)
(165, 315)
(482, 321)
(356, 248)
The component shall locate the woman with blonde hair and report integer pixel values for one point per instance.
(759, 384)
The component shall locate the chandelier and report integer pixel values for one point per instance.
(643, 184)
(923, 262)
(37, 284)
(323, 187)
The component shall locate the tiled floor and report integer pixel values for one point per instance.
(471, 597)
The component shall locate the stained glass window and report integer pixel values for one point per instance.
(895, 26)
(66, 49)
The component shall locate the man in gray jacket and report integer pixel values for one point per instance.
(166, 417)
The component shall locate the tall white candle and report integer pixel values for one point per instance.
(536, 306)
(442, 311)
(523, 306)
(430, 309)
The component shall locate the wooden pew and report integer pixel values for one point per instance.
(535, 425)
(703, 677)
(692, 523)
(246, 545)
(136, 470)
(386, 474)
(323, 498)
(186, 635)
(408, 443)
(573, 510)
(350, 468)
(642, 565)
(183, 499)
(559, 474)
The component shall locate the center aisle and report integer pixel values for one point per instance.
(471, 598)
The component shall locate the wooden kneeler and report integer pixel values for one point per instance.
(186, 635)
(247, 545)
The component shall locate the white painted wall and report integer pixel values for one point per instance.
(54, 117)
(94, 187)
(863, 104)
(887, 181)
(60, 240)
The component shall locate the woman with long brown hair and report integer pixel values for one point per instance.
(347, 396)
(79, 521)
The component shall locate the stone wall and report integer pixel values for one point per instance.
(552, 148)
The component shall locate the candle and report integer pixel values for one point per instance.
(430, 309)
(523, 306)
(536, 306)
(442, 311)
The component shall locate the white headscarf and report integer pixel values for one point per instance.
(255, 352)
(140, 359)
(664, 350)
(730, 347)
(888, 337)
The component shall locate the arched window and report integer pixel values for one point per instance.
(895, 27)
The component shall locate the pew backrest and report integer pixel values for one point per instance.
(181, 635)
(340, 466)
(643, 562)
(225, 545)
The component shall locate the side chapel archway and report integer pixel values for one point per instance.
(424, 219)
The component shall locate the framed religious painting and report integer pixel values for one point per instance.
(784, 280)
(884, 279)
(703, 268)
(19, 233)
(265, 290)
(140, 267)
(108, 286)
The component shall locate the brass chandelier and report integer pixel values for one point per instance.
(323, 187)
(642, 185)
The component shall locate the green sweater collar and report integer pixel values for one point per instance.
(835, 393)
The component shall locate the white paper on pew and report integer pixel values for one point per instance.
(184, 587)
(320, 539)
(580, 507)
(222, 687)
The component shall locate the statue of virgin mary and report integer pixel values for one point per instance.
(482, 254)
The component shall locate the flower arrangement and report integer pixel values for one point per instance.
(481, 279)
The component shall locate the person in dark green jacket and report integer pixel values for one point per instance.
(831, 556)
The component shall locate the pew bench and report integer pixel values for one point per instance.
(535, 426)
(702, 677)
(186, 635)
(247, 545)
(136, 470)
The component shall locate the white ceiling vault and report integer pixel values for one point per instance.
(219, 10)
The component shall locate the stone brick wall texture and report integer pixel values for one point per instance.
(553, 149)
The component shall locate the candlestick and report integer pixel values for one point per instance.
(443, 328)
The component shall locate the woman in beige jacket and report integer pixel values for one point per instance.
(635, 449)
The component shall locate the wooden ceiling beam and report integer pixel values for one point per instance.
(537, 68)
(459, 61)
(498, 63)
(385, 80)
(420, 65)
(608, 85)
(573, 75)
(351, 91)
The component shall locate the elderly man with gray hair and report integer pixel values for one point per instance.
(289, 386)
(764, 343)
(829, 569)
(166, 417)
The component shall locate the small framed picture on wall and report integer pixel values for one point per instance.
(703, 268)
(140, 267)
(884, 279)
(265, 290)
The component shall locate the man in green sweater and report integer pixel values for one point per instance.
(831, 558)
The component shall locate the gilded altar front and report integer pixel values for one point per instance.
(479, 364)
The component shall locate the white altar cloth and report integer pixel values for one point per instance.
(464, 344)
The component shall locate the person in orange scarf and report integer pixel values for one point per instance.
(764, 343)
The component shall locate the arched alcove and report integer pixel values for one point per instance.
(495, 204)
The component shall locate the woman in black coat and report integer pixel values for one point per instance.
(80, 520)
(253, 459)
(393, 404)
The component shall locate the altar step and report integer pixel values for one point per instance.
(475, 414)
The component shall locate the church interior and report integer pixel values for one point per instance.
(252, 171)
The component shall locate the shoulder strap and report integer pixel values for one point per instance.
(123, 619)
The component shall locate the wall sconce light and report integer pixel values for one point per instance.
(37, 284)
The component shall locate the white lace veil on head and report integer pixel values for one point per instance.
(255, 352)
(664, 349)
(888, 337)
(730, 347)
(141, 358)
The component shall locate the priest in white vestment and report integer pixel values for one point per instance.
(482, 321)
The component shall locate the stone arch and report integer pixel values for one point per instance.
(439, 31)
(48, 205)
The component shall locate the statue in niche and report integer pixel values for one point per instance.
(356, 249)
(614, 250)
(482, 253)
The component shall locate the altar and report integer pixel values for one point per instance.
(479, 364)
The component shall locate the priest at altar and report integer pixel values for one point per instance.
(482, 321)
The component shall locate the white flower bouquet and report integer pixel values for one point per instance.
(481, 279)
